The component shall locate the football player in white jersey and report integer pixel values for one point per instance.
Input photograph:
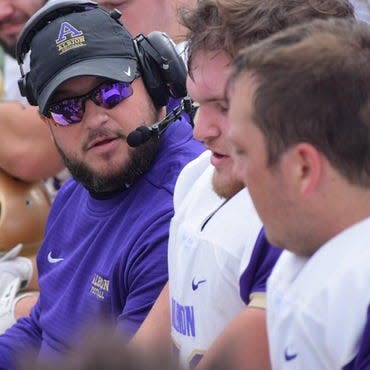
(300, 124)
(214, 234)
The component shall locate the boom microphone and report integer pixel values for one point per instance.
(143, 133)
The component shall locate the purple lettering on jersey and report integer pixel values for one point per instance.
(183, 320)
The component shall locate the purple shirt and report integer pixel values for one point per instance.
(103, 259)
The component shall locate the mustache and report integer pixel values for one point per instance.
(102, 133)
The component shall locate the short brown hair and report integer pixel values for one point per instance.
(229, 25)
(313, 85)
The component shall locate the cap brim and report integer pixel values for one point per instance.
(113, 68)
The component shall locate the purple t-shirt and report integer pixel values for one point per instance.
(103, 259)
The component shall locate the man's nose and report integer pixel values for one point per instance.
(94, 115)
(205, 126)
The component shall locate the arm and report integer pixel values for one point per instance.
(241, 345)
(26, 148)
(145, 274)
(24, 304)
(154, 335)
(21, 338)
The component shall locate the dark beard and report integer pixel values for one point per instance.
(99, 185)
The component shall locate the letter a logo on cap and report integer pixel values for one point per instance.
(74, 40)
(67, 29)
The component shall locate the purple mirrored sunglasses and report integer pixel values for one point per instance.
(107, 95)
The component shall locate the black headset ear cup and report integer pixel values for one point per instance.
(163, 70)
(25, 89)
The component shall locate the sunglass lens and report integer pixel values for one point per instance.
(111, 93)
(67, 112)
(107, 95)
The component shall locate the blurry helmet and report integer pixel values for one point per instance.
(24, 208)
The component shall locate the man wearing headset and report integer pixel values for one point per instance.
(105, 248)
(13, 15)
(22, 152)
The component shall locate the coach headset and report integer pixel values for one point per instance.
(162, 69)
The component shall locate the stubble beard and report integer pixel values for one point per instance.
(226, 188)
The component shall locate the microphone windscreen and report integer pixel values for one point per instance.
(139, 136)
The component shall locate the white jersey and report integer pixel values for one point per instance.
(211, 242)
(317, 307)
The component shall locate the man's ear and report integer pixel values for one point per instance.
(308, 167)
